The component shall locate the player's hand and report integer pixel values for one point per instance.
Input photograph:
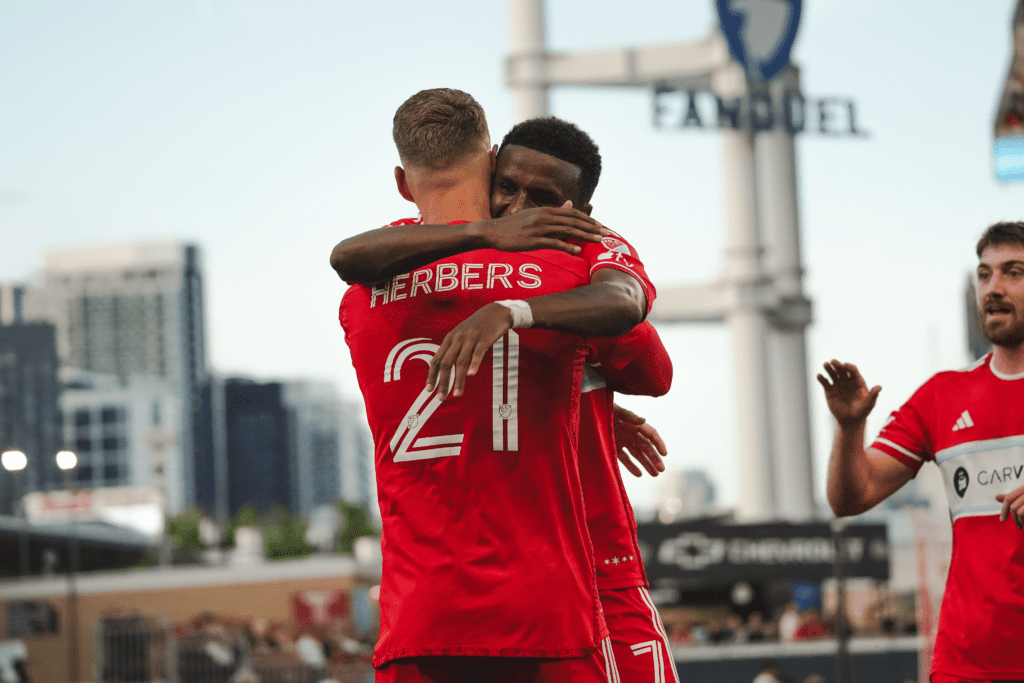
(847, 394)
(634, 437)
(1013, 505)
(542, 228)
(464, 347)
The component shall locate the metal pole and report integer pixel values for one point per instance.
(69, 484)
(526, 60)
(746, 315)
(23, 544)
(786, 343)
(844, 672)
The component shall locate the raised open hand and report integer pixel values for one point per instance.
(847, 394)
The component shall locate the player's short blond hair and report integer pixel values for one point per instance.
(436, 127)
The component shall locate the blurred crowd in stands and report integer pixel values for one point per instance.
(216, 648)
(788, 626)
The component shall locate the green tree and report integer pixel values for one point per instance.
(247, 515)
(285, 535)
(357, 523)
(184, 530)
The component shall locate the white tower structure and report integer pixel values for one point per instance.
(759, 293)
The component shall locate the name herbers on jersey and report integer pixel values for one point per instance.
(446, 277)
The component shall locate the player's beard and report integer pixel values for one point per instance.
(1008, 336)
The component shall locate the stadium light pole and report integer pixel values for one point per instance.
(67, 461)
(15, 462)
(844, 673)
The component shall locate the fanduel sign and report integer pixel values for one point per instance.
(756, 112)
(760, 33)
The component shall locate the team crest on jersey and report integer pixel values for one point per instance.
(617, 250)
(960, 481)
(612, 244)
(412, 421)
(504, 410)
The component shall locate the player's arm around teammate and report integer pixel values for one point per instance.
(858, 478)
(612, 304)
(376, 255)
(532, 170)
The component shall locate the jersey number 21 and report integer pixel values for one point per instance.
(504, 401)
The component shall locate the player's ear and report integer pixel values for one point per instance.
(585, 208)
(403, 184)
(494, 158)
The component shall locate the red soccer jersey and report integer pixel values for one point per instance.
(971, 423)
(485, 545)
(636, 363)
(609, 515)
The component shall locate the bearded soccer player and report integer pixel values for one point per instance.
(971, 424)
(530, 173)
(488, 568)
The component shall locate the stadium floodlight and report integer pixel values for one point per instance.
(14, 461)
(67, 460)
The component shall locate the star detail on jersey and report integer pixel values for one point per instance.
(963, 422)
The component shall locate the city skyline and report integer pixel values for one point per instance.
(262, 131)
(139, 405)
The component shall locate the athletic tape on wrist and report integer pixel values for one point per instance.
(522, 314)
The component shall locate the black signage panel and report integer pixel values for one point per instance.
(708, 552)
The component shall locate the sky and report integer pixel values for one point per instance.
(261, 131)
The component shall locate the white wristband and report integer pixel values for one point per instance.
(522, 315)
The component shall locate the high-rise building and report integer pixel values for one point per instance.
(358, 476)
(294, 444)
(126, 432)
(261, 466)
(29, 413)
(314, 417)
(128, 310)
(12, 303)
(243, 447)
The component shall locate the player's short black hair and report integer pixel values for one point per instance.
(1004, 232)
(562, 140)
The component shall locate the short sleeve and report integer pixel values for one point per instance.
(905, 434)
(615, 252)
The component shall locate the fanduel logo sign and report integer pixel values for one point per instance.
(760, 33)
(756, 112)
